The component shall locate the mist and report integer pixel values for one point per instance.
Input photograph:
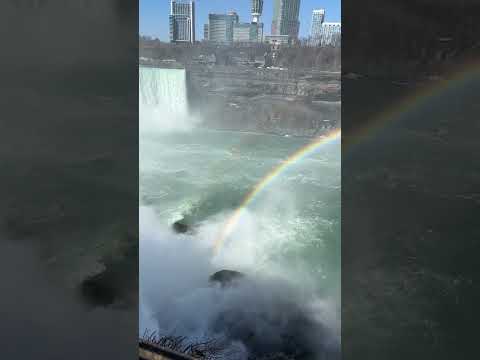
(158, 121)
(163, 102)
(270, 311)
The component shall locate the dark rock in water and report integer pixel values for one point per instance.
(180, 227)
(117, 283)
(226, 277)
(98, 291)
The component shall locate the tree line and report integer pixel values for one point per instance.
(293, 57)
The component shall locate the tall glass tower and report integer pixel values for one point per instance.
(318, 17)
(285, 18)
(182, 21)
(220, 27)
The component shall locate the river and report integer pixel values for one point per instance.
(288, 234)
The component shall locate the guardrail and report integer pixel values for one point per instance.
(150, 351)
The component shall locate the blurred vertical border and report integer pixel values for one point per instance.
(410, 179)
(69, 179)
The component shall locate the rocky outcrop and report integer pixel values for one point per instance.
(180, 227)
(226, 277)
(117, 282)
(265, 100)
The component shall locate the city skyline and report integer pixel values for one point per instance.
(154, 14)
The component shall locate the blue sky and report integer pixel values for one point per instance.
(154, 14)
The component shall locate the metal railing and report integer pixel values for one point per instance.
(150, 351)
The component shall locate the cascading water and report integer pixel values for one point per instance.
(287, 242)
(163, 88)
(163, 104)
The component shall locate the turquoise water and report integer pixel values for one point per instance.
(291, 231)
(202, 176)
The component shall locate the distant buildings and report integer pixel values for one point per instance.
(285, 18)
(257, 8)
(331, 34)
(260, 36)
(182, 21)
(318, 17)
(227, 29)
(220, 27)
(278, 39)
(244, 32)
(247, 33)
(324, 33)
(205, 32)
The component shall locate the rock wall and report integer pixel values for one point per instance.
(266, 100)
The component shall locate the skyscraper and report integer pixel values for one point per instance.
(244, 33)
(285, 18)
(220, 27)
(257, 8)
(318, 17)
(331, 33)
(182, 21)
(205, 32)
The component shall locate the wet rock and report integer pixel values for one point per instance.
(117, 283)
(98, 291)
(180, 227)
(226, 277)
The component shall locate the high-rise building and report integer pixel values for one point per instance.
(331, 33)
(182, 21)
(243, 32)
(234, 18)
(318, 17)
(205, 32)
(277, 39)
(247, 32)
(285, 18)
(257, 8)
(259, 32)
(220, 27)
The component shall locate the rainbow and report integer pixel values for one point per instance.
(268, 179)
(455, 79)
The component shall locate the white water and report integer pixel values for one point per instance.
(163, 101)
(287, 242)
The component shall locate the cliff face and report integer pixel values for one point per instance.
(267, 100)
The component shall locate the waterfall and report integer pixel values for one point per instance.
(163, 99)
